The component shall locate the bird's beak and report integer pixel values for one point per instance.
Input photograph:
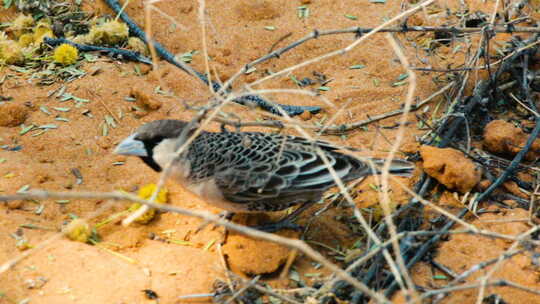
(131, 146)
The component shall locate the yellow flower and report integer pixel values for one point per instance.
(26, 40)
(21, 25)
(138, 45)
(110, 33)
(10, 52)
(146, 193)
(78, 230)
(23, 245)
(43, 29)
(82, 39)
(66, 54)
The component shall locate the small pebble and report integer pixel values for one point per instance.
(306, 115)
(17, 204)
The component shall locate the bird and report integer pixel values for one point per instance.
(250, 172)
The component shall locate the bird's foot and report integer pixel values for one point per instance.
(286, 222)
(277, 226)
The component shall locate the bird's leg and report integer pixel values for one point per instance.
(287, 222)
(223, 128)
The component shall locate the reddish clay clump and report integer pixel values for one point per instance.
(450, 167)
(12, 115)
(503, 137)
(144, 100)
(252, 256)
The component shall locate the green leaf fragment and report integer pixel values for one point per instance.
(399, 83)
(303, 11)
(29, 226)
(45, 110)
(181, 242)
(403, 76)
(39, 133)
(48, 126)
(110, 121)
(274, 300)
(187, 57)
(294, 275)
(209, 244)
(374, 187)
(66, 96)
(23, 189)
(26, 129)
(39, 209)
(295, 80)
(90, 57)
(7, 3)
(357, 67)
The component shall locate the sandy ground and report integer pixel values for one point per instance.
(62, 271)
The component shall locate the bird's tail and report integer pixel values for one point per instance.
(399, 167)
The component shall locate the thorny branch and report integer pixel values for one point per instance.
(359, 31)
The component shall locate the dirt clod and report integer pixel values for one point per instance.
(144, 100)
(14, 204)
(12, 114)
(505, 138)
(484, 184)
(251, 256)
(306, 115)
(513, 188)
(450, 167)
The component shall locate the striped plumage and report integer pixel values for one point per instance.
(248, 171)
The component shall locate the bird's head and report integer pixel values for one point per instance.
(154, 142)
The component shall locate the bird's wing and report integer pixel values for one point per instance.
(259, 167)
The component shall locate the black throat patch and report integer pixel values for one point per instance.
(149, 160)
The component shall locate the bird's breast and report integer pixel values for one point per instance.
(208, 191)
